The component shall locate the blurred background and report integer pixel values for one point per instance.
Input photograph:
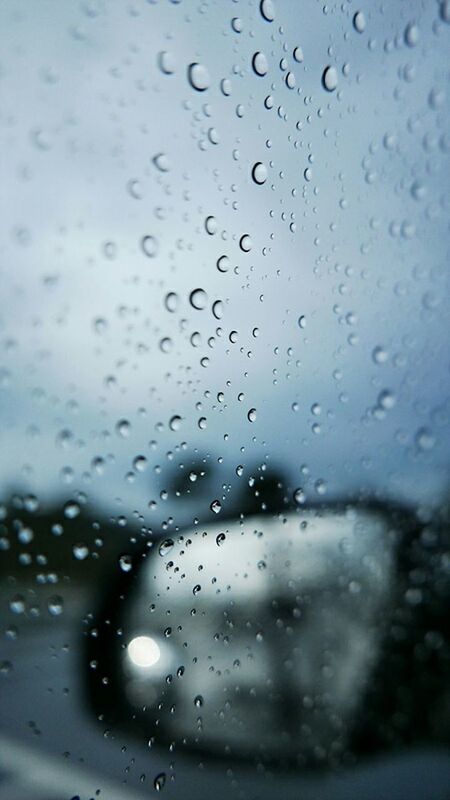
(223, 262)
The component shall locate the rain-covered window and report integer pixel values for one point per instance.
(224, 399)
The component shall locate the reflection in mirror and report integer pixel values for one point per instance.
(296, 637)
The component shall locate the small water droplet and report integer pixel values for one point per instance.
(259, 64)
(159, 781)
(149, 246)
(125, 562)
(220, 538)
(80, 551)
(217, 309)
(330, 78)
(166, 62)
(267, 9)
(215, 506)
(379, 355)
(140, 463)
(198, 77)
(223, 264)
(211, 225)
(175, 423)
(259, 173)
(171, 301)
(424, 439)
(161, 162)
(55, 605)
(198, 299)
(165, 547)
(359, 22)
(412, 34)
(123, 428)
(251, 416)
(245, 243)
(299, 496)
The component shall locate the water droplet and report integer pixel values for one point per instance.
(259, 64)
(166, 344)
(100, 325)
(220, 538)
(149, 246)
(175, 423)
(215, 506)
(386, 400)
(424, 439)
(198, 77)
(159, 781)
(245, 243)
(171, 301)
(123, 428)
(198, 701)
(251, 416)
(379, 355)
(302, 322)
(80, 551)
(71, 510)
(236, 24)
(223, 264)
(165, 547)
(55, 605)
(161, 162)
(140, 463)
(197, 588)
(290, 80)
(166, 62)
(217, 309)
(359, 22)
(125, 562)
(198, 299)
(17, 604)
(412, 34)
(298, 54)
(211, 225)
(259, 173)
(445, 10)
(299, 496)
(267, 9)
(330, 78)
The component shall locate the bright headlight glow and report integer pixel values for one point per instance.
(144, 651)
